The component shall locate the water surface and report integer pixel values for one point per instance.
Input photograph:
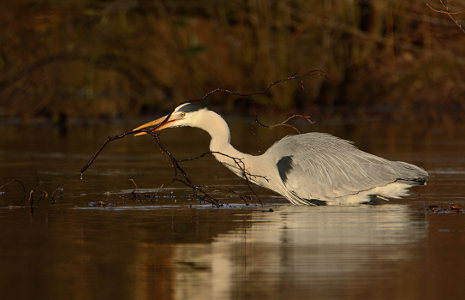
(101, 237)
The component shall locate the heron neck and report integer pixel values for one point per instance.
(221, 139)
(238, 162)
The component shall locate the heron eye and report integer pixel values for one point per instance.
(183, 114)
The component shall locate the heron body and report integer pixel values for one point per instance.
(307, 169)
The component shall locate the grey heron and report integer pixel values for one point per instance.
(307, 169)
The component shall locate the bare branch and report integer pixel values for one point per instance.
(447, 12)
(186, 181)
(117, 137)
(440, 11)
(284, 123)
(295, 76)
(199, 191)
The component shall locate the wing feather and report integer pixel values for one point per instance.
(325, 167)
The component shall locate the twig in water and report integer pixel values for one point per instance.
(135, 184)
(58, 189)
(42, 195)
(29, 201)
(133, 193)
(14, 180)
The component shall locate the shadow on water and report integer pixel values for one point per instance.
(162, 245)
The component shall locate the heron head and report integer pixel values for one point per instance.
(185, 114)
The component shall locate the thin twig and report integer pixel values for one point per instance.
(117, 137)
(135, 184)
(14, 180)
(284, 123)
(239, 163)
(58, 189)
(445, 12)
(186, 181)
(29, 201)
(450, 14)
(295, 76)
(133, 193)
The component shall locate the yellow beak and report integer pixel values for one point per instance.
(159, 124)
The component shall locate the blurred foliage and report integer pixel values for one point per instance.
(109, 59)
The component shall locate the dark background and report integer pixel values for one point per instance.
(121, 59)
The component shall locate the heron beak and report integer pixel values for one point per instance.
(169, 122)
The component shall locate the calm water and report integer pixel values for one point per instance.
(163, 245)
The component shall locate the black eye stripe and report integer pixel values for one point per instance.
(189, 107)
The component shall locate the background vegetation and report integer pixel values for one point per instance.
(108, 59)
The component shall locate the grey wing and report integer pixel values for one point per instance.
(321, 166)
